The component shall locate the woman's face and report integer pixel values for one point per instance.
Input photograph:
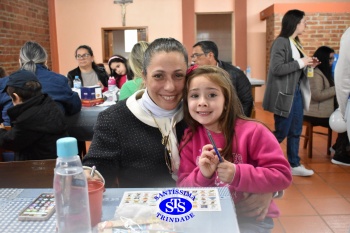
(300, 27)
(165, 79)
(118, 67)
(84, 58)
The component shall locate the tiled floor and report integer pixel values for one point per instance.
(320, 203)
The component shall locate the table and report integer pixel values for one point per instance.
(12, 201)
(81, 124)
(255, 83)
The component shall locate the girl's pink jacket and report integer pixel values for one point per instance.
(260, 163)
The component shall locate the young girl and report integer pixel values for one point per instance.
(253, 161)
(120, 70)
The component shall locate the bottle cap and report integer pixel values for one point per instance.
(67, 147)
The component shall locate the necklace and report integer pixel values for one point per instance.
(298, 45)
(165, 138)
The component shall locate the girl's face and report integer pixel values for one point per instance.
(165, 79)
(84, 58)
(118, 67)
(205, 102)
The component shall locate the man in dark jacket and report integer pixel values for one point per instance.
(206, 53)
(37, 122)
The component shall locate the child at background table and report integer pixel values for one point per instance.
(120, 70)
(253, 161)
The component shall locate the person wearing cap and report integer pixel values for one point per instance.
(88, 72)
(120, 70)
(37, 122)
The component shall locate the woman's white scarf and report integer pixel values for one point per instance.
(142, 106)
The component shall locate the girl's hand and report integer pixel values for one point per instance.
(226, 171)
(208, 161)
(2, 126)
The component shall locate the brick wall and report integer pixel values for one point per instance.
(21, 21)
(322, 29)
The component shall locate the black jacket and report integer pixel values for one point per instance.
(242, 85)
(100, 71)
(36, 126)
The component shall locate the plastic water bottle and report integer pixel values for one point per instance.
(71, 189)
(111, 84)
(248, 72)
(77, 82)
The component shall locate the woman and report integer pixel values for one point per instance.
(322, 88)
(287, 90)
(127, 143)
(120, 70)
(133, 139)
(135, 61)
(88, 72)
(33, 57)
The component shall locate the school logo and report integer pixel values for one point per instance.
(174, 205)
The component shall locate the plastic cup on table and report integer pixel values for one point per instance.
(96, 189)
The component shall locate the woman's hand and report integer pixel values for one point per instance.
(226, 171)
(311, 61)
(2, 126)
(254, 205)
(208, 161)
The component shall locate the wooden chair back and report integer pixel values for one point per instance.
(27, 174)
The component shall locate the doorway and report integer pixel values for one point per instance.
(217, 28)
(120, 40)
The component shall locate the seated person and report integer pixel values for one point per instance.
(322, 89)
(88, 72)
(37, 122)
(5, 102)
(120, 70)
(33, 57)
(246, 165)
(136, 62)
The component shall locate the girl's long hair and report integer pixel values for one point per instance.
(232, 106)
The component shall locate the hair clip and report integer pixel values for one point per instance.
(192, 67)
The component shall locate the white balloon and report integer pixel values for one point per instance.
(337, 122)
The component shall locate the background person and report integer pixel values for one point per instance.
(135, 62)
(88, 72)
(5, 100)
(207, 53)
(342, 88)
(120, 70)
(287, 89)
(210, 103)
(33, 57)
(37, 122)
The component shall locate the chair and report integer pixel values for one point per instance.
(27, 174)
(309, 137)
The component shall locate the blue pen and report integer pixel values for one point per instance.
(214, 145)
